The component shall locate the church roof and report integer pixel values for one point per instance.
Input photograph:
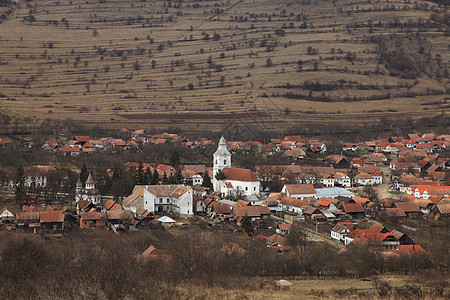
(90, 179)
(222, 149)
(239, 174)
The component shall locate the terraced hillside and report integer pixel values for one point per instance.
(196, 64)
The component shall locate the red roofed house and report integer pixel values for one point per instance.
(299, 191)
(52, 220)
(355, 210)
(92, 219)
(396, 214)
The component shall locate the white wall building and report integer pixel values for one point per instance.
(161, 198)
(237, 181)
(299, 191)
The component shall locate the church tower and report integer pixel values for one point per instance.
(221, 160)
(90, 183)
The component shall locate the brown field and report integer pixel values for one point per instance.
(150, 64)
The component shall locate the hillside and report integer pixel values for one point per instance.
(195, 64)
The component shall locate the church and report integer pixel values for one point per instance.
(232, 182)
(88, 192)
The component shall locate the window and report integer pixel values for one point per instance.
(216, 161)
(224, 161)
(246, 188)
(167, 200)
(254, 188)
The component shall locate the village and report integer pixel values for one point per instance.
(381, 192)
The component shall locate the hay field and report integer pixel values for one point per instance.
(208, 64)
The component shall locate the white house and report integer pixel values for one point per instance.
(161, 198)
(342, 179)
(364, 179)
(197, 179)
(292, 204)
(299, 191)
(6, 213)
(339, 232)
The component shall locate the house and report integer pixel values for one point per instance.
(199, 206)
(424, 205)
(221, 210)
(6, 214)
(143, 214)
(92, 219)
(299, 191)
(440, 211)
(252, 212)
(283, 229)
(411, 250)
(292, 205)
(355, 210)
(85, 206)
(396, 214)
(403, 238)
(387, 240)
(119, 218)
(52, 220)
(338, 232)
(276, 240)
(28, 219)
(377, 228)
(363, 178)
(176, 198)
(341, 179)
(409, 208)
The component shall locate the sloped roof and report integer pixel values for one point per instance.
(292, 202)
(240, 174)
(444, 208)
(353, 208)
(249, 211)
(92, 216)
(263, 210)
(411, 249)
(340, 228)
(277, 239)
(378, 228)
(52, 216)
(298, 189)
(395, 212)
(175, 191)
(27, 215)
(135, 197)
(407, 207)
(222, 208)
(119, 215)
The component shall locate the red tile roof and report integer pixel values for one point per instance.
(240, 174)
(353, 208)
(298, 189)
(52, 217)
